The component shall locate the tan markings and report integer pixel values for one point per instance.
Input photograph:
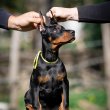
(40, 108)
(50, 38)
(43, 79)
(62, 104)
(54, 46)
(60, 77)
(29, 106)
(61, 107)
(64, 38)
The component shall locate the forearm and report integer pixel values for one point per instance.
(7, 21)
(24, 22)
(73, 14)
(12, 23)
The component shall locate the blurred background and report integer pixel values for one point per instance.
(87, 59)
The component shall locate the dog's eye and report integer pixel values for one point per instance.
(54, 31)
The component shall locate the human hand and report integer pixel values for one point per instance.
(25, 22)
(63, 14)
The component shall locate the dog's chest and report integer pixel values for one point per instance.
(51, 81)
(52, 75)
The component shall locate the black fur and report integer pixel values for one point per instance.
(49, 86)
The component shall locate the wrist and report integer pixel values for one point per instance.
(73, 14)
(12, 23)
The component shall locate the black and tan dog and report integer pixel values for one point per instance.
(49, 86)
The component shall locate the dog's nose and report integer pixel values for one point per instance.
(72, 32)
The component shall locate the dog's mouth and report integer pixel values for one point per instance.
(62, 43)
(71, 40)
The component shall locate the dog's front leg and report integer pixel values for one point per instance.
(65, 96)
(35, 98)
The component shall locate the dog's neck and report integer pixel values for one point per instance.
(49, 54)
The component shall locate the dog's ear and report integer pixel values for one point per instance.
(43, 25)
(53, 19)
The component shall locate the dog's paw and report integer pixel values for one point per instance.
(29, 107)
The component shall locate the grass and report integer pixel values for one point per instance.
(94, 96)
(21, 103)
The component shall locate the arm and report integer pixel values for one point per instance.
(99, 13)
(25, 22)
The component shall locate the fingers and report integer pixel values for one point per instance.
(60, 13)
(35, 17)
(54, 11)
(57, 12)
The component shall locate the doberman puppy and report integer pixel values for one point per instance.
(49, 86)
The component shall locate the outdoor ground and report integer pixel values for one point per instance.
(92, 99)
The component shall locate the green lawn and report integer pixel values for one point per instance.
(93, 96)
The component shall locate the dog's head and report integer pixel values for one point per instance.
(55, 34)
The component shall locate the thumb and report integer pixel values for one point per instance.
(48, 14)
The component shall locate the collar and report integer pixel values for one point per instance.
(48, 61)
(37, 57)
